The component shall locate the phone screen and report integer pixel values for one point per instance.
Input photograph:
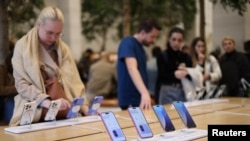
(184, 114)
(75, 107)
(95, 105)
(163, 117)
(53, 110)
(28, 113)
(140, 122)
(112, 126)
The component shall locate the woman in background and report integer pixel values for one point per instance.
(171, 66)
(206, 63)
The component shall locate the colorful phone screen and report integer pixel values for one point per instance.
(163, 117)
(184, 114)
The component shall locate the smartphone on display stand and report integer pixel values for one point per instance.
(75, 107)
(184, 114)
(93, 109)
(112, 126)
(220, 91)
(140, 122)
(163, 117)
(53, 110)
(28, 113)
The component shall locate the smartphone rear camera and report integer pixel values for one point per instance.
(141, 127)
(115, 133)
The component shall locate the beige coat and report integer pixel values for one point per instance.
(28, 78)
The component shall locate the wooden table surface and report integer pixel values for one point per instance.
(232, 111)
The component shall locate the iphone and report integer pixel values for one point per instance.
(140, 122)
(184, 114)
(75, 107)
(93, 109)
(28, 113)
(163, 117)
(112, 126)
(53, 110)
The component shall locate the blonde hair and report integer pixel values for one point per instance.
(228, 38)
(50, 13)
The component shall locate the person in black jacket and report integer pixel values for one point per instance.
(234, 66)
(172, 65)
(247, 49)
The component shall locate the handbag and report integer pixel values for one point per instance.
(55, 90)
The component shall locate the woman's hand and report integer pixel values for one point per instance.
(180, 73)
(46, 103)
(206, 76)
(64, 104)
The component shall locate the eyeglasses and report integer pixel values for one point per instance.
(52, 34)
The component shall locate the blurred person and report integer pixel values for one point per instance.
(84, 64)
(41, 51)
(102, 78)
(131, 66)
(185, 49)
(172, 68)
(152, 72)
(247, 49)
(207, 64)
(234, 66)
(7, 87)
(216, 53)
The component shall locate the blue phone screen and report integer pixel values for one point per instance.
(111, 124)
(163, 117)
(184, 114)
(95, 105)
(140, 122)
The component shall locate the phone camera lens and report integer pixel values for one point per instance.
(141, 127)
(115, 133)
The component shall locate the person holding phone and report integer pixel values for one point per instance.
(131, 66)
(207, 64)
(43, 49)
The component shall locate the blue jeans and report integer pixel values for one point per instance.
(168, 94)
(8, 108)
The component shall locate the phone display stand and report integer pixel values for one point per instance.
(48, 125)
(54, 121)
(178, 135)
(75, 119)
(29, 116)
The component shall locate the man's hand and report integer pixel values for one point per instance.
(145, 101)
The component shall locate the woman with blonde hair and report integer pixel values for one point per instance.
(42, 51)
